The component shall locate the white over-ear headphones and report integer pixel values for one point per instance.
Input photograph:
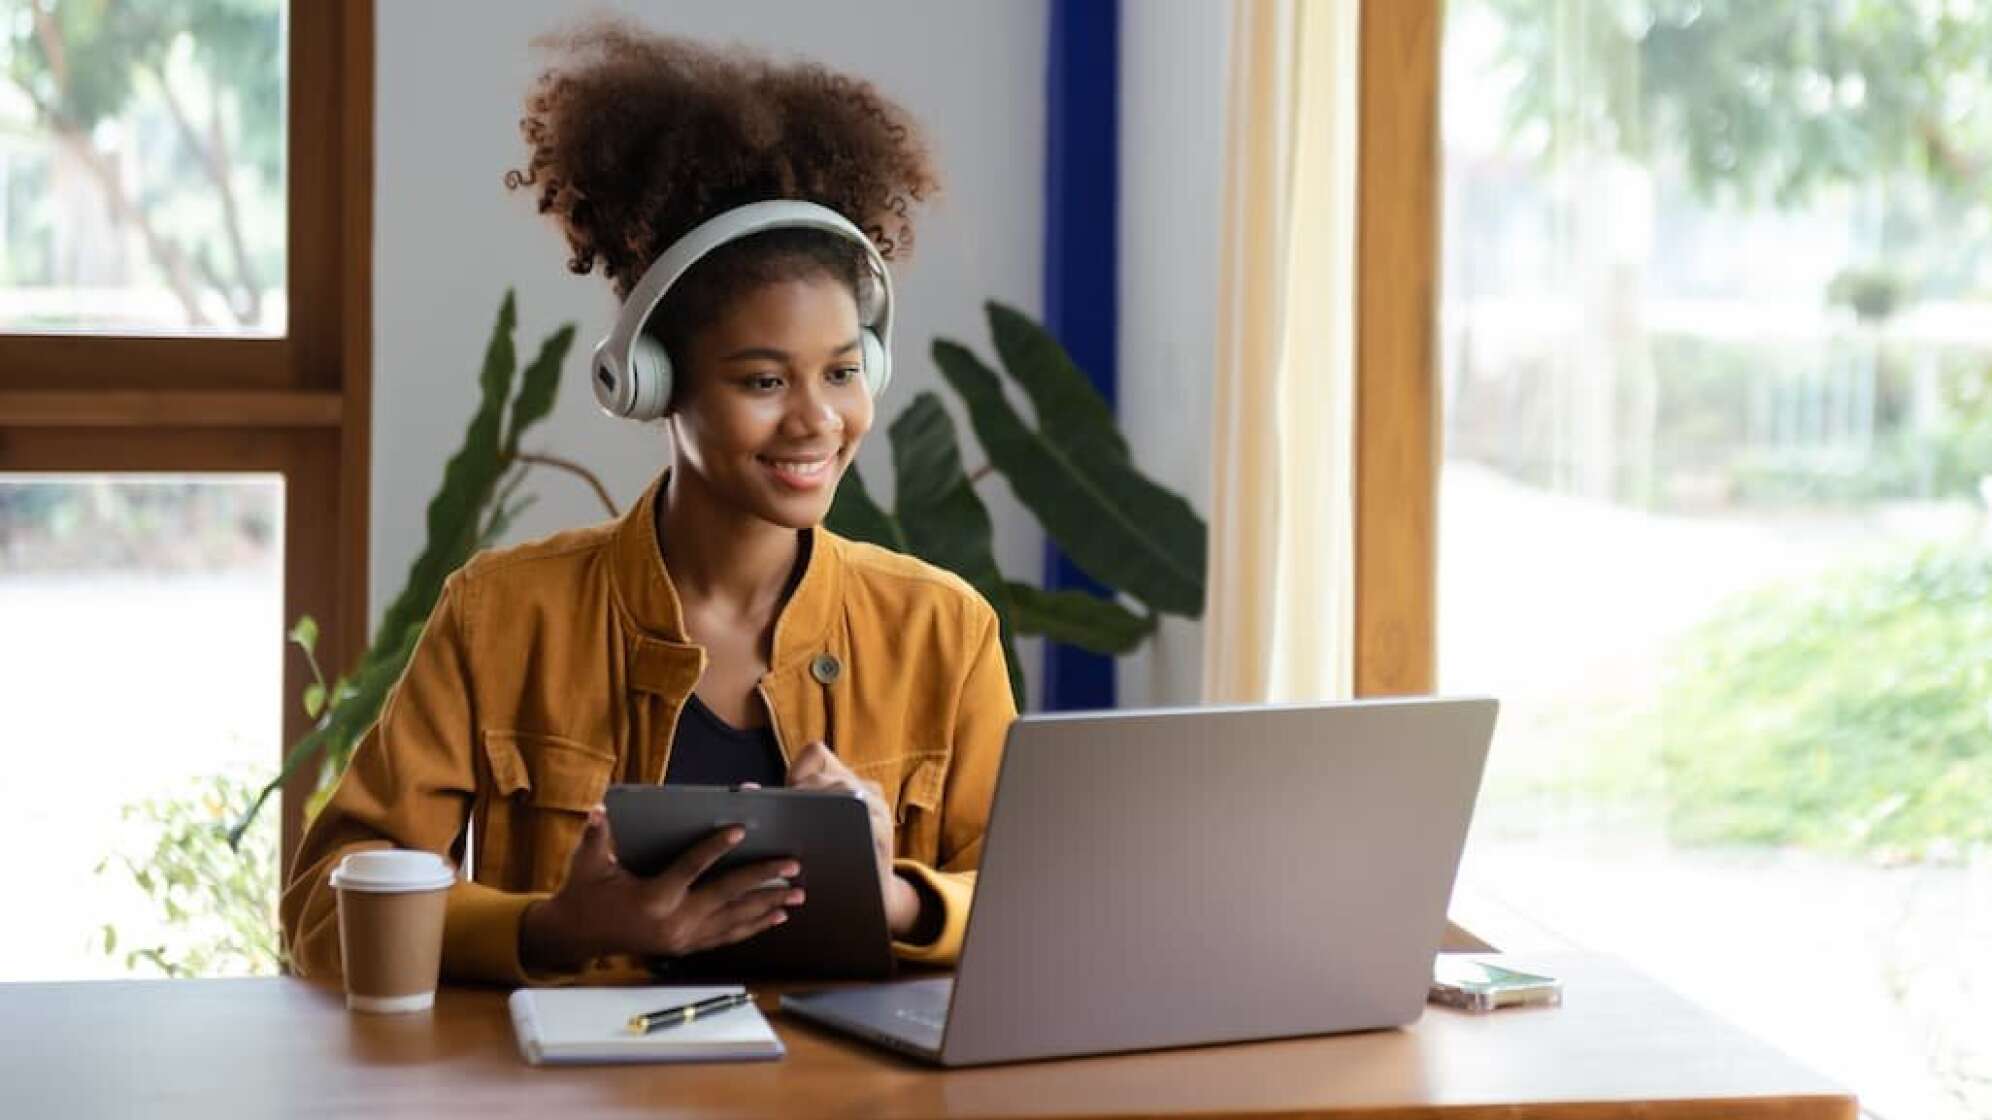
(632, 373)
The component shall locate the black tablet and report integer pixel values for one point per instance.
(838, 932)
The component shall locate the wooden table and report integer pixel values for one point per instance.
(1620, 1046)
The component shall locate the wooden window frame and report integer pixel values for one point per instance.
(299, 405)
(1397, 392)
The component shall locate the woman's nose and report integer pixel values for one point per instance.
(812, 411)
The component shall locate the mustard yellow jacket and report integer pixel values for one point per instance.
(549, 670)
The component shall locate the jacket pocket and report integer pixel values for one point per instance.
(921, 790)
(542, 788)
(918, 809)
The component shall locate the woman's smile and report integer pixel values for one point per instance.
(798, 472)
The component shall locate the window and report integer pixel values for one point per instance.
(1716, 354)
(185, 205)
(142, 169)
(142, 660)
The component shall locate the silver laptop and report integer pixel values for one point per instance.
(1201, 875)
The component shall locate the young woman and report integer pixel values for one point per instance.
(716, 633)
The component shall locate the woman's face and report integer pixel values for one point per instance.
(775, 403)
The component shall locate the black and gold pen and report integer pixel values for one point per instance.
(685, 1013)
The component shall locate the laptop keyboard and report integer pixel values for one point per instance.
(926, 1005)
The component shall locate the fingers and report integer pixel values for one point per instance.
(831, 776)
(741, 931)
(595, 856)
(871, 793)
(740, 917)
(742, 881)
(753, 906)
(685, 870)
(878, 811)
(823, 779)
(813, 760)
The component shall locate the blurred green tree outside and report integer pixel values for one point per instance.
(175, 111)
(1851, 712)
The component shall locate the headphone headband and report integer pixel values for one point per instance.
(619, 372)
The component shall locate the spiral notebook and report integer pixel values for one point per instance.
(562, 1026)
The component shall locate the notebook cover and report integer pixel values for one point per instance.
(561, 1026)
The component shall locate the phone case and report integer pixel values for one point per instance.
(1479, 986)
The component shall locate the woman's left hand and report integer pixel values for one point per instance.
(817, 768)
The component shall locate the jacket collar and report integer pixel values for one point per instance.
(644, 585)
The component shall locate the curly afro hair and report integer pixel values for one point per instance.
(635, 138)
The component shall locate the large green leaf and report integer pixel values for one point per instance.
(1070, 411)
(943, 518)
(468, 480)
(1073, 417)
(1122, 529)
(854, 514)
(1078, 619)
(538, 385)
(926, 459)
(945, 522)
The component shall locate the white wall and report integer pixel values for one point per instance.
(1173, 56)
(449, 237)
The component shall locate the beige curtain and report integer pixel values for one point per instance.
(1280, 620)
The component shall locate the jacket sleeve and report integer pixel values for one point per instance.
(410, 785)
(982, 721)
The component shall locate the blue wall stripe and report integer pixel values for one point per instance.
(1082, 266)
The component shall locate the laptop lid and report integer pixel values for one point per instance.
(1192, 876)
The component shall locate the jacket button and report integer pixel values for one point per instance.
(826, 669)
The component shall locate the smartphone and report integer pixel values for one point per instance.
(1478, 986)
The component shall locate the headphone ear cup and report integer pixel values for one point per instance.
(870, 297)
(878, 364)
(609, 385)
(650, 369)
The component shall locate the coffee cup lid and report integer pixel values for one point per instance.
(393, 870)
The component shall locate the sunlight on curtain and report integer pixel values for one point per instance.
(1281, 611)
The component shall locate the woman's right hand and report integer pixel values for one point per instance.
(602, 908)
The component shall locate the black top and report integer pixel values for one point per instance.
(708, 751)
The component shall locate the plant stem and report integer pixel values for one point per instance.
(601, 491)
(311, 659)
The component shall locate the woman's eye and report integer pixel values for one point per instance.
(843, 374)
(764, 382)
